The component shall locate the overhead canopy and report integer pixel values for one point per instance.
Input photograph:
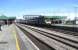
(3, 17)
(55, 17)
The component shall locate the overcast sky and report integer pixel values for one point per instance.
(38, 7)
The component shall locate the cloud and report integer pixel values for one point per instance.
(46, 11)
(50, 12)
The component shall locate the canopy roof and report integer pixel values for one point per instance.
(3, 17)
(57, 17)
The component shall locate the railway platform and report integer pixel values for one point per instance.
(7, 39)
(12, 38)
(73, 28)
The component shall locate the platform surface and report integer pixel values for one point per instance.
(7, 38)
(65, 25)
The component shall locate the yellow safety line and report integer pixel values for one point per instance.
(17, 42)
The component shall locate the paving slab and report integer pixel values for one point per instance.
(7, 39)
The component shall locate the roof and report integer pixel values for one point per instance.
(11, 17)
(30, 16)
(57, 17)
(3, 17)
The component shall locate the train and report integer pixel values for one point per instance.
(41, 20)
(33, 21)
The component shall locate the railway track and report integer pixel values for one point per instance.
(64, 31)
(61, 43)
(40, 44)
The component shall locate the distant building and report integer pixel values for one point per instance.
(6, 20)
(76, 20)
(55, 19)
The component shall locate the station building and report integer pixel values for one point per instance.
(55, 19)
(6, 20)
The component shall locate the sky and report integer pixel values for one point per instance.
(19, 8)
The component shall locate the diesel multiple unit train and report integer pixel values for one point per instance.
(33, 21)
